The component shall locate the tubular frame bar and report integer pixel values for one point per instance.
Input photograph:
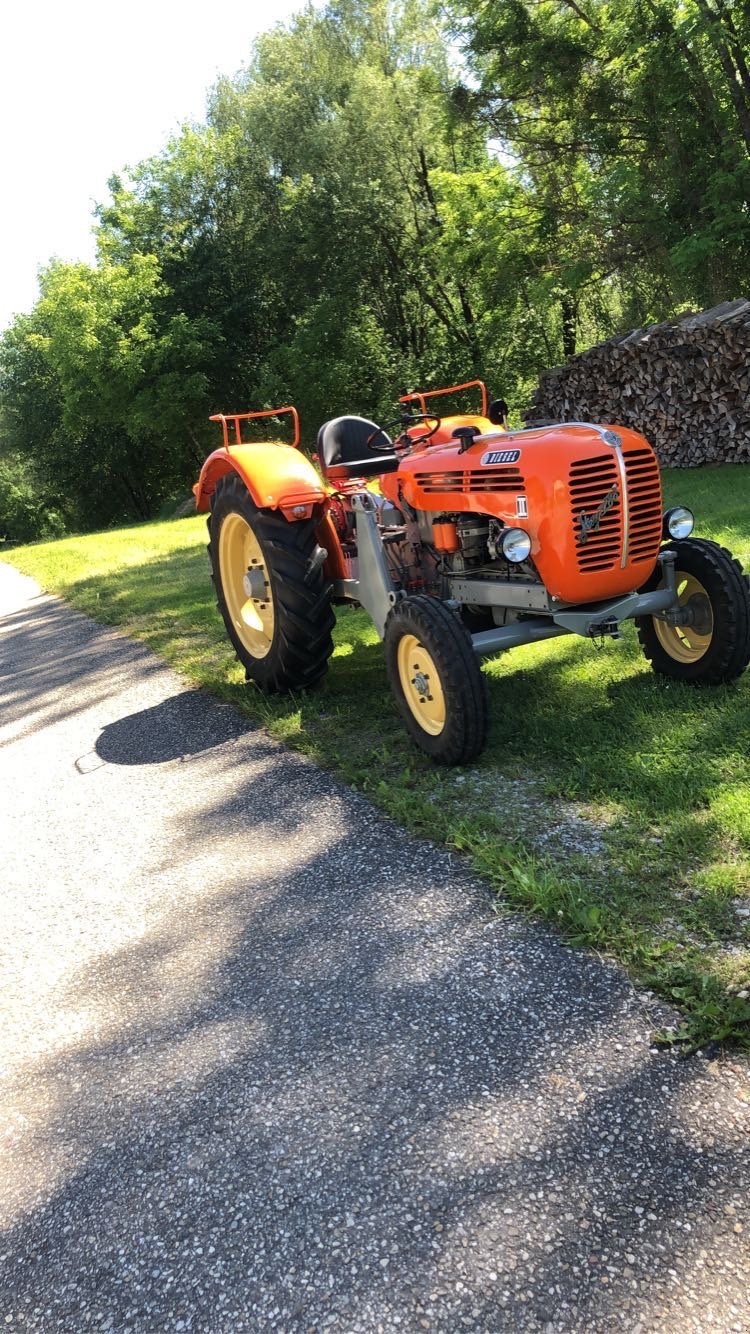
(236, 417)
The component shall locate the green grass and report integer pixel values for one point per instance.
(609, 802)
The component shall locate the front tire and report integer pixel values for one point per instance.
(270, 589)
(715, 647)
(436, 680)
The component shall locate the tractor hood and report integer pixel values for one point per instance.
(588, 495)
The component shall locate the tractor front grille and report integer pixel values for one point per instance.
(590, 482)
(491, 480)
(644, 500)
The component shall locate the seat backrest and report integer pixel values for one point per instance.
(344, 451)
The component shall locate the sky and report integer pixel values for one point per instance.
(88, 87)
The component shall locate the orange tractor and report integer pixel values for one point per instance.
(476, 539)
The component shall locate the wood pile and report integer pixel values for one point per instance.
(685, 385)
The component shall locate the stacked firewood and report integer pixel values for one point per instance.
(685, 385)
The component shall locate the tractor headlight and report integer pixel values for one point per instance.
(678, 522)
(515, 545)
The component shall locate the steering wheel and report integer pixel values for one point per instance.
(422, 417)
(406, 419)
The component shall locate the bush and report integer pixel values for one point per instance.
(27, 512)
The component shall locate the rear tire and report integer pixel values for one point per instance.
(436, 680)
(270, 589)
(716, 647)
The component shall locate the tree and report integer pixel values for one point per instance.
(630, 132)
(124, 381)
(362, 213)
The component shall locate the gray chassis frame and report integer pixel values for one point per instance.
(374, 590)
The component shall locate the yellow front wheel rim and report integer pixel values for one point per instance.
(688, 643)
(421, 685)
(246, 585)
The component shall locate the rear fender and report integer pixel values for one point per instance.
(276, 475)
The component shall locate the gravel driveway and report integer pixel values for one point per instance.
(269, 1063)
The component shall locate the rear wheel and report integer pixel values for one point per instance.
(439, 688)
(270, 589)
(713, 645)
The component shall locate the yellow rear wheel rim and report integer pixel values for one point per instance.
(246, 585)
(421, 685)
(688, 643)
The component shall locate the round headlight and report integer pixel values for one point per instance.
(678, 522)
(516, 545)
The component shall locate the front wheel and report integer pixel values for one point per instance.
(713, 644)
(433, 672)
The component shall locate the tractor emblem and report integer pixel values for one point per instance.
(590, 523)
(495, 456)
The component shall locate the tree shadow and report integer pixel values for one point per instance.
(327, 1085)
(63, 649)
(662, 750)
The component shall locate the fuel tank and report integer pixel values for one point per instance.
(589, 496)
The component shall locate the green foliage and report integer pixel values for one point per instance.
(391, 194)
(130, 381)
(632, 124)
(101, 386)
(27, 512)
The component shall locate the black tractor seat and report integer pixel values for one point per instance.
(343, 450)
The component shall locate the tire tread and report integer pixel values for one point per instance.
(464, 685)
(302, 643)
(727, 658)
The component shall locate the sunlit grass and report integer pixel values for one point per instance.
(658, 773)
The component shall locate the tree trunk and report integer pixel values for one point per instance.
(716, 37)
(569, 309)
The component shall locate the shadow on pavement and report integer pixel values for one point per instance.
(173, 729)
(322, 1085)
(46, 650)
(330, 1087)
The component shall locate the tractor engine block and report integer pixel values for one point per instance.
(473, 534)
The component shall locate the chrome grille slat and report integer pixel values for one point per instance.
(589, 481)
(644, 491)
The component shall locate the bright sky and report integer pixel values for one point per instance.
(87, 87)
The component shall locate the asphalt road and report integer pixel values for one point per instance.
(269, 1063)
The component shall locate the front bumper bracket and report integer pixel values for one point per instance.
(592, 621)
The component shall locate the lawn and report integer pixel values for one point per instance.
(611, 803)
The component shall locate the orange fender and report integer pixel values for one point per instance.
(276, 475)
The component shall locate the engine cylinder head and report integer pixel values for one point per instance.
(473, 532)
